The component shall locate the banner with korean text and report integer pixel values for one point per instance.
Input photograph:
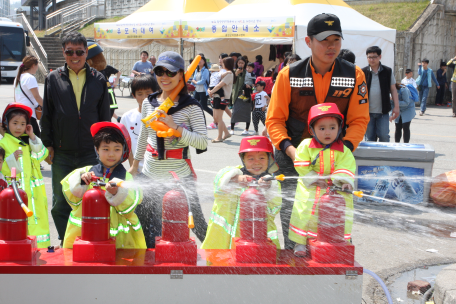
(150, 30)
(280, 27)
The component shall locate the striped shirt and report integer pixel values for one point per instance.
(195, 136)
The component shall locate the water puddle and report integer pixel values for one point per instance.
(399, 288)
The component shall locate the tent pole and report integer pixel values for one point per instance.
(194, 49)
(294, 40)
(182, 47)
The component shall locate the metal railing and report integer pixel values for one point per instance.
(35, 48)
(73, 16)
(54, 19)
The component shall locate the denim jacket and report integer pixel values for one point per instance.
(430, 75)
(204, 78)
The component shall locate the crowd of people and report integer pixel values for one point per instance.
(315, 110)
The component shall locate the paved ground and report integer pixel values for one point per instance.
(388, 239)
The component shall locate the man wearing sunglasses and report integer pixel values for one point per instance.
(75, 97)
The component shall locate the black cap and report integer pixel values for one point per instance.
(94, 49)
(324, 25)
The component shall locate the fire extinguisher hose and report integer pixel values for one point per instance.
(24, 207)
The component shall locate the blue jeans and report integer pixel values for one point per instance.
(423, 98)
(378, 128)
(62, 165)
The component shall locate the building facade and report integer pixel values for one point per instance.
(432, 36)
(4, 8)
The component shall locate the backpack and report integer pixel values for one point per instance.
(413, 92)
(269, 84)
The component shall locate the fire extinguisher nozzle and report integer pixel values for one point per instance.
(27, 211)
(358, 193)
(191, 224)
(280, 177)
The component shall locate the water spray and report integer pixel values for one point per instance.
(191, 223)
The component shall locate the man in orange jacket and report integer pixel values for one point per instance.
(320, 78)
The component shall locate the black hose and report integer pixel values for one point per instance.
(16, 192)
(427, 295)
(104, 184)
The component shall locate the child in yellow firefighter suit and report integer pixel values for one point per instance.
(112, 144)
(321, 160)
(24, 151)
(256, 154)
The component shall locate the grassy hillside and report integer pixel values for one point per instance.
(399, 16)
(88, 29)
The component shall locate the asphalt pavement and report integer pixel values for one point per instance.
(389, 239)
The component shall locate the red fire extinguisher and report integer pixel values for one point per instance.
(95, 214)
(252, 215)
(177, 217)
(13, 212)
(253, 246)
(175, 244)
(331, 218)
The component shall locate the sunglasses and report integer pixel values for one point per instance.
(160, 72)
(71, 52)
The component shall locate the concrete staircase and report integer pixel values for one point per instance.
(53, 48)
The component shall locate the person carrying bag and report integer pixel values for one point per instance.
(26, 90)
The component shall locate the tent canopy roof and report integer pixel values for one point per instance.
(174, 10)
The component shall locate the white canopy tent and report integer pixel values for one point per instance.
(359, 31)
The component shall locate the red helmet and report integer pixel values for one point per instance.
(14, 107)
(324, 110)
(96, 127)
(259, 144)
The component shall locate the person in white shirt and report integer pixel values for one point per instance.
(408, 79)
(141, 87)
(26, 89)
(261, 102)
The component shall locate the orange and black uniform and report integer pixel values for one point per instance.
(298, 88)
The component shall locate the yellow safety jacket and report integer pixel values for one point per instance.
(336, 164)
(453, 78)
(29, 174)
(224, 221)
(125, 225)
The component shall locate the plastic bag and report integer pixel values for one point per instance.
(443, 189)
